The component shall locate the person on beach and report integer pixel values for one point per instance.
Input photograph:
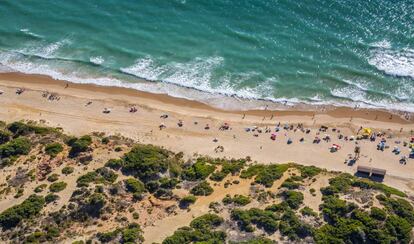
(244, 116)
(357, 151)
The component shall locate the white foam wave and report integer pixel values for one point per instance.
(16, 62)
(381, 44)
(97, 60)
(28, 32)
(196, 74)
(44, 50)
(394, 62)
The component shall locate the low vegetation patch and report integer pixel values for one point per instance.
(53, 149)
(28, 208)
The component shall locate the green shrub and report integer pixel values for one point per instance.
(51, 198)
(339, 184)
(307, 211)
(264, 219)
(292, 227)
(202, 189)
(206, 222)
(99, 176)
(256, 240)
(57, 186)
(168, 183)
(53, 149)
(27, 209)
(309, 171)
(378, 213)
(53, 177)
(114, 164)
(400, 207)
(265, 174)
(368, 184)
(218, 176)
(132, 234)
(15, 147)
(334, 208)
(399, 228)
(293, 198)
(290, 184)
(5, 136)
(67, 170)
(135, 186)
(198, 171)
(22, 129)
(40, 188)
(146, 162)
(105, 140)
(187, 200)
(80, 145)
(238, 200)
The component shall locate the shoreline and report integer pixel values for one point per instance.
(300, 109)
(74, 116)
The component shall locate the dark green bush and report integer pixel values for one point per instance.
(293, 198)
(135, 186)
(132, 234)
(307, 211)
(27, 209)
(40, 188)
(53, 149)
(202, 189)
(22, 129)
(187, 200)
(206, 222)
(57, 186)
(5, 136)
(168, 183)
(53, 177)
(290, 184)
(51, 198)
(238, 200)
(198, 171)
(265, 174)
(309, 171)
(340, 184)
(218, 176)
(99, 176)
(146, 162)
(15, 147)
(67, 170)
(114, 164)
(80, 145)
(378, 213)
(264, 219)
(292, 227)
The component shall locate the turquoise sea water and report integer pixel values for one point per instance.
(343, 52)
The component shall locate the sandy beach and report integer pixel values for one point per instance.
(78, 109)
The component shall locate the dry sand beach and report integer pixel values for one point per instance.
(72, 112)
(78, 109)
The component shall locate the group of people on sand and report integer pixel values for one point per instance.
(50, 96)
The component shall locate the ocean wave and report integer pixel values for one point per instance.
(196, 74)
(394, 62)
(32, 34)
(222, 96)
(97, 60)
